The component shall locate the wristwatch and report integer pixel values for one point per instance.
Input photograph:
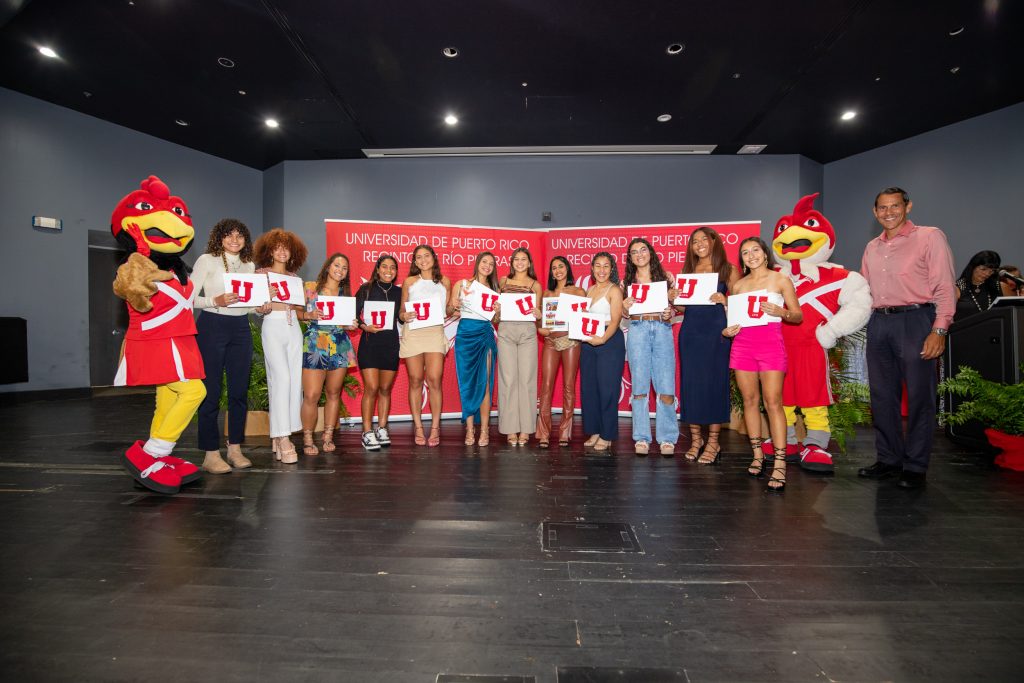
(941, 332)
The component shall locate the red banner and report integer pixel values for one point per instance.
(457, 246)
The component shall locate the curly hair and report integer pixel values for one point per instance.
(530, 272)
(614, 276)
(769, 256)
(719, 261)
(224, 227)
(569, 279)
(658, 273)
(435, 272)
(345, 286)
(263, 250)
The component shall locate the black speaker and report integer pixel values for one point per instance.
(13, 350)
(991, 343)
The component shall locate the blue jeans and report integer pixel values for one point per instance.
(652, 358)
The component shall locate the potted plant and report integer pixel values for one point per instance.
(257, 422)
(999, 406)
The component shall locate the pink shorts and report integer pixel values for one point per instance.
(758, 349)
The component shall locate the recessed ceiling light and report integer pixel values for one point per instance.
(451, 119)
(751, 149)
(226, 63)
(450, 52)
(241, 92)
(956, 31)
(848, 115)
(664, 118)
(87, 93)
(675, 48)
(525, 84)
(877, 79)
(48, 52)
(181, 122)
(737, 74)
(272, 123)
(955, 70)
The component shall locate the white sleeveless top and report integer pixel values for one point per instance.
(602, 305)
(422, 289)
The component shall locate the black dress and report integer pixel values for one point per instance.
(379, 350)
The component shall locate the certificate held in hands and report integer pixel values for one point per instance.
(571, 303)
(517, 307)
(289, 289)
(336, 310)
(424, 313)
(745, 309)
(695, 289)
(379, 314)
(480, 300)
(583, 326)
(648, 297)
(252, 289)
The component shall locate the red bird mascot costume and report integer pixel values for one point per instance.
(160, 346)
(835, 302)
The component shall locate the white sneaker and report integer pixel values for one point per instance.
(370, 442)
(383, 438)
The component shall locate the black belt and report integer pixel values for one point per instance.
(889, 310)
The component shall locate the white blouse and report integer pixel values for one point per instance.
(208, 279)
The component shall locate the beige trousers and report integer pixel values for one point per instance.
(517, 378)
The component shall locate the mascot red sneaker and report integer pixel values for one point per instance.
(835, 302)
(160, 346)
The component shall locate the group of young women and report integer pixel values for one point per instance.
(300, 369)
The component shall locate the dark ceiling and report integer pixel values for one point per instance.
(346, 75)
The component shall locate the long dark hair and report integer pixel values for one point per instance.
(569, 278)
(657, 272)
(375, 276)
(719, 261)
(492, 279)
(223, 228)
(530, 272)
(770, 258)
(990, 285)
(614, 277)
(435, 272)
(344, 287)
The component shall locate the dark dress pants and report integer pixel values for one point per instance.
(225, 343)
(601, 385)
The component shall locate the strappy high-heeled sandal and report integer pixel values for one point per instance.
(778, 476)
(308, 447)
(418, 438)
(328, 445)
(485, 435)
(711, 451)
(470, 435)
(435, 436)
(592, 441)
(756, 468)
(696, 446)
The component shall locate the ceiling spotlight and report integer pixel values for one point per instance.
(87, 93)
(737, 74)
(226, 63)
(848, 115)
(181, 122)
(241, 92)
(751, 149)
(48, 52)
(956, 31)
(451, 119)
(450, 52)
(664, 118)
(525, 84)
(877, 79)
(955, 70)
(272, 123)
(675, 48)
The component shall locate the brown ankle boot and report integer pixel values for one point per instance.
(214, 464)
(235, 457)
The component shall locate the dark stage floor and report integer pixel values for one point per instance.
(416, 562)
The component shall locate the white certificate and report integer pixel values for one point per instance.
(695, 289)
(648, 297)
(517, 307)
(549, 315)
(745, 309)
(586, 325)
(425, 313)
(571, 303)
(289, 289)
(252, 289)
(380, 314)
(480, 300)
(336, 310)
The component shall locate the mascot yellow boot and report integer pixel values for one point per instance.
(160, 345)
(835, 302)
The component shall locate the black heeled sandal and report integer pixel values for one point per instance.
(712, 450)
(777, 477)
(756, 468)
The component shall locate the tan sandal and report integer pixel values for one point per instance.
(286, 451)
(328, 443)
(470, 435)
(308, 447)
(642, 448)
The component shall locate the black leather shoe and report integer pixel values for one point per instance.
(879, 470)
(911, 480)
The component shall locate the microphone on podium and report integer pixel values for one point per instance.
(1011, 276)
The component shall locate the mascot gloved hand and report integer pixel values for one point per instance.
(835, 302)
(160, 346)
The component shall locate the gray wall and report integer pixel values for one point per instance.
(967, 179)
(59, 163)
(514, 191)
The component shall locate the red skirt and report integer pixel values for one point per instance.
(159, 361)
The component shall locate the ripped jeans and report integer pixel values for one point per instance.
(651, 352)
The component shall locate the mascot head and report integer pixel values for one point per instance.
(156, 224)
(804, 237)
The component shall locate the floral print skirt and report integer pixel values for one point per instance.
(327, 348)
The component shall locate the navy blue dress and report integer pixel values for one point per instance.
(704, 365)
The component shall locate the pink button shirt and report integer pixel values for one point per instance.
(914, 267)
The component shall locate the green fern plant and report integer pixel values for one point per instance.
(996, 405)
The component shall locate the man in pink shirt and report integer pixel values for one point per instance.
(910, 271)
